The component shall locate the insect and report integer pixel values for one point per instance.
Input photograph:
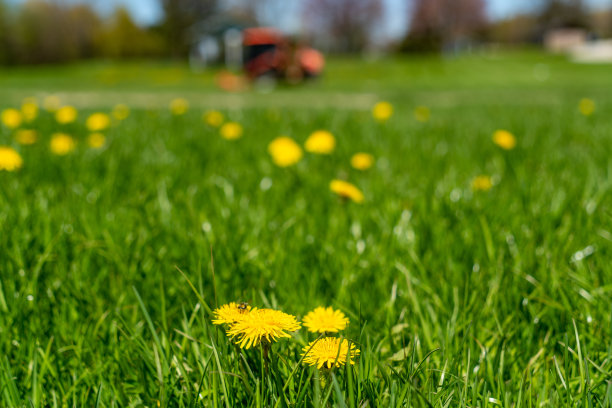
(243, 307)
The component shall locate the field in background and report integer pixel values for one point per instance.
(456, 297)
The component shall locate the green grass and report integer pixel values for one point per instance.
(456, 298)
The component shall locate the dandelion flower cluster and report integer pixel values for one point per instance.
(97, 121)
(66, 114)
(362, 161)
(504, 139)
(213, 118)
(285, 151)
(10, 160)
(262, 325)
(62, 144)
(382, 111)
(325, 320)
(231, 131)
(329, 352)
(346, 190)
(320, 142)
(26, 136)
(482, 183)
(11, 118)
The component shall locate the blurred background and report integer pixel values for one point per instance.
(210, 32)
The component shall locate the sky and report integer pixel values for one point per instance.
(147, 12)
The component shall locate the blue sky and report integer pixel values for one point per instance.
(149, 11)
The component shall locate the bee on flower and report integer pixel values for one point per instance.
(320, 142)
(230, 313)
(285, 151)
(262, 326)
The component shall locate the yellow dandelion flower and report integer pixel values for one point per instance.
(62, 144)
(11, 118)
(422, 113)
(66, 114)
(96, 140)
(26, 136)
(504, 139)
(51, 103)
(320, 142)
(346, 190)
(482, 183)
(362, 161)
(231, 131)
(285, 151)
(29, 109)
(10, 160)
(262, 325)
(179, 106)
(586, 106)
(97, 121)
(213, 118)
(382, 111)
(121, 111)
(325, 319)
(329, 352)
(230, 313)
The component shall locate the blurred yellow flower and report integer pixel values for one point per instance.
(96, 140)
(259, 325)
(422, 113)
(11, 118)
(10, 160)
(29, 109)
(62, 144)
(285, 151)
(482, 183)
(320, 142)
(504, 139)
(66, 114)
(121, 111)
(213, 118)
(586, 106)
(231, 131)
(325, 320)
(362, 161)
(97, 121)
(51, 103)
(346, 190)
(329, 352)
(382, 111)
(230, 313)
(179, 106)
(26, 136)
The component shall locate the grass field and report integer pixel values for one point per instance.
(456, 297)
